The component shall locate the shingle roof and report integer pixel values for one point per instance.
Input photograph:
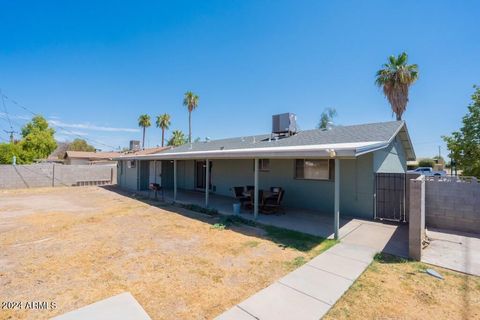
(340, 141)
(91, 155)
(373, 132)
(146, 151)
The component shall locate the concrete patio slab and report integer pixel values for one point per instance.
(389, 238)
(353, 251)
(453, 250)
(119, 307)
(279, 302)
(236, 313)
(322, 285)
(341, 266)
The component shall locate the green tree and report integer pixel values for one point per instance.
(80, 145)
(163, 122)
(177, 139)
(190, 100)
(326, 117)
(464, 145)
(38, 140)
(144, 122)
(8, 151)
(395, 78)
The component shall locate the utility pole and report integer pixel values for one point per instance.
(11, 132)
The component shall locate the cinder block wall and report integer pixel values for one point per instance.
(452, 205)
(48, 175)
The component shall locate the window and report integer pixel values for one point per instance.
(264, 164)
(131, 164)
(312, 169)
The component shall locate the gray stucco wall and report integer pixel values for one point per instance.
(185, 174)
(356, 184)
(127, 177)
(357, 187)
(391, 159)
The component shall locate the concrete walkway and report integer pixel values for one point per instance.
(309, 291)
(453, 250)
(120, 307)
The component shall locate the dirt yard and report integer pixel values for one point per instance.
(392, 288)
(76, 246)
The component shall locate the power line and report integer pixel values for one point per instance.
(55, 125)
(6, 111)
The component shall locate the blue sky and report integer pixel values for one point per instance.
(93, 67)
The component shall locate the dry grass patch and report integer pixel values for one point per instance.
(75, 246)
(394, 288)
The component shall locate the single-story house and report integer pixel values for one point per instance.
(87, 157)
(331, 170)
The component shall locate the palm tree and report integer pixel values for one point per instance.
(144, 122)
(177, 139)
(327, 118)
(163, 122)
(395, 78)
(190, 100)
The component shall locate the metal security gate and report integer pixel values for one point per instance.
(390, 192)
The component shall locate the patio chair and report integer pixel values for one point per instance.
(239, 196)
(273, 204)
(249, 188)
(250, 203)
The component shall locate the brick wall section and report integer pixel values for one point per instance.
(452, 204)
(48, 175)
(416, 226)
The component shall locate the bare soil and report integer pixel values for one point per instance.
(76, 246)
(392, 288)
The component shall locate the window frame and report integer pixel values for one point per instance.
(132, 164)
(261, 165)
(329, 178)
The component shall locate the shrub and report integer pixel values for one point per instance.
(426, 163)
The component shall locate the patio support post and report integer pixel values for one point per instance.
(255, 204)
(174, 180)
(337, 198)
(207, 181)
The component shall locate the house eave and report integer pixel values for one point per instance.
(339, 150)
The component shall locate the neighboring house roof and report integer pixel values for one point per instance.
(59, 151)
(91, 155)
(345, 141)
(146, 151)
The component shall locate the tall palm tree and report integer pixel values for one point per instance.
(177, 139)
(395, 78)
(144, 122)
(163, 122)
(190, 100)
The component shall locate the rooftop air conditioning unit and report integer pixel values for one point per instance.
(284, 123)
(134, 145)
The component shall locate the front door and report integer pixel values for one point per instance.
(200, 174)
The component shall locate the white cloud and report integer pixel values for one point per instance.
(13, 116)
(89, 126)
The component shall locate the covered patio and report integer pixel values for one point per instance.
(298, 219)
(386, 237)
